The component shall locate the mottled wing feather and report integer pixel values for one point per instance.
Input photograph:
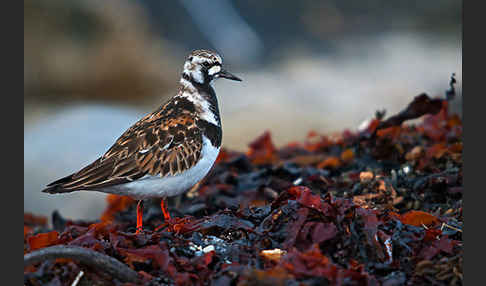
(165, 142)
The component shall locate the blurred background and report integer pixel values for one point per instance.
(93, 68)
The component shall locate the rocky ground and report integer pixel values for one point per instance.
(380, 206)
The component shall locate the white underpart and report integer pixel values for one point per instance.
(214, 69)
(160, 187)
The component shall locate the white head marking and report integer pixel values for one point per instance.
(213, 70)
(200, 64)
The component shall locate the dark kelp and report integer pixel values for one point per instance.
(378, 206)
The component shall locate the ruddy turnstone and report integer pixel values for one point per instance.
(166, 152)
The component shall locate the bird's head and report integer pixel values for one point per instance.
(203, 66)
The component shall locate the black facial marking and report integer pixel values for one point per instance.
(210, 61)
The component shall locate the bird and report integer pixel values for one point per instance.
(166, 152)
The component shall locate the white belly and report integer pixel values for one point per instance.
(160, 187)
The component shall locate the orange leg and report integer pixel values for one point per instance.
(139, 216)
(167, 219)
(163, 206)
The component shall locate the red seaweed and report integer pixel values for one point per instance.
(379, 206)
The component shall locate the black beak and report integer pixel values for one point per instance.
(225, 74)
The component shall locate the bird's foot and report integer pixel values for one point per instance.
(139, 230)
(176, 225)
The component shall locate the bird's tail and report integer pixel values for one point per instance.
(57, 187)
